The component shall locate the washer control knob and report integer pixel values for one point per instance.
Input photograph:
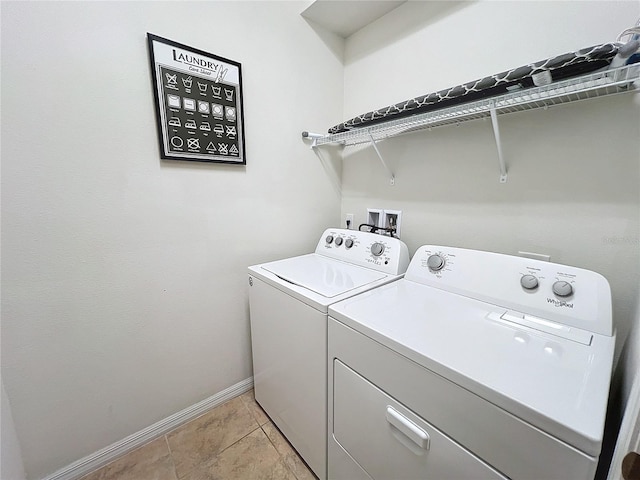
(529, 282)
(435, 263)
(338, 241)
(329, 238)
(377, 249)
(562, 288)
(348, 243)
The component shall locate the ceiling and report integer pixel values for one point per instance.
(345, 17)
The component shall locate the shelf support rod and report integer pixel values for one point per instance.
(384, 164)
(496, 133)
(335, 178)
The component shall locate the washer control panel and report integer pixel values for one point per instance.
(561, 293)
(382, 253)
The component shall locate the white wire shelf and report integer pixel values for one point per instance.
(599, 84)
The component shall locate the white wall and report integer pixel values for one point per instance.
(11, 466)
(124, 295)
(623, 417)
(631, 354)
(574, 170)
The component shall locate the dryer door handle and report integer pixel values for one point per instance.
(408, 428)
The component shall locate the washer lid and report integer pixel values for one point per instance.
(323, 276)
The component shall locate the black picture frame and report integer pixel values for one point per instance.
(199, 103)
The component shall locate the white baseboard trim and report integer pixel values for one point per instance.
(106, 455)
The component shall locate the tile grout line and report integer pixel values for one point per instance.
(286, 464)
(210, 460)
(282, 457)
(261, 427)
(173, 462)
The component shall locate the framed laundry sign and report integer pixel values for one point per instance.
(198, 99)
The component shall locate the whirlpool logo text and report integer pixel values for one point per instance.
(559, 303)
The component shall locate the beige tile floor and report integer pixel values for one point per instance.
(234, 441)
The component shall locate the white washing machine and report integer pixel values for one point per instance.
(288, 307)
(475, 365)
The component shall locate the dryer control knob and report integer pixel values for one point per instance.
(338, 241)
(377, 249)
(435, 262)
(329, 239)
(348, 243)
(529, 282)
(562, 288)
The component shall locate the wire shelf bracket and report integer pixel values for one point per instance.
(496, 133)
(392, 177)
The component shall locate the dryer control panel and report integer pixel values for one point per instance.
(379, 252)
(521, 288)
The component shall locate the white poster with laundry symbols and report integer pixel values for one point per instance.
(198, 103)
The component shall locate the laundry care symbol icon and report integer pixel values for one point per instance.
(203, 107)
(172, 79)
(216, 91)
(234, 150)
(217, 110)
(228, 94)
(202, 87)
(193, 144)
(187, 82)
(173, 100)
(223, 148)
(189, 104)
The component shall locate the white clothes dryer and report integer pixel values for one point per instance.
(475, 365)
(289, 301)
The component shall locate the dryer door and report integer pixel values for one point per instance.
(390, 441)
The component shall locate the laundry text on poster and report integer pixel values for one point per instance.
(206, 67)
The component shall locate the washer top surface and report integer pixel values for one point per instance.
(553, 376)
(345, 263)
(322, 275)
